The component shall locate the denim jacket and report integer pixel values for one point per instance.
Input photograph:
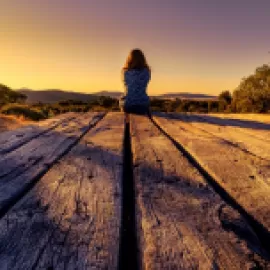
(136, 81)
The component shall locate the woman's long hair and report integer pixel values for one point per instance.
(136, 60)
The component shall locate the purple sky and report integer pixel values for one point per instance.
(196, 46)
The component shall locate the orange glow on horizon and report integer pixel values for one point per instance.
(82, 47)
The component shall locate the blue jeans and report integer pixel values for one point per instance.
(137, 109)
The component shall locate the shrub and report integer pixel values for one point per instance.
(23, 110)
(9, 96)
(253, 93)
(226, 97)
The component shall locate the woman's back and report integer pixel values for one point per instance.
(136, 81)
(137, 74)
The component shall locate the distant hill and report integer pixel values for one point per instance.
(113, 94)
(190, 96)
(55, 95)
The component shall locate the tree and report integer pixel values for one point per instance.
(224, 101)
(225, 96)
(253, 93)
(9, 96)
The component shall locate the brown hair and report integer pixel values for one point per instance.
(136, 60)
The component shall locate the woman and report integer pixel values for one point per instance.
(136, 76)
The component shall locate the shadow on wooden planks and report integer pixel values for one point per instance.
(193, 118)
(57, 223)
(23, 167)
(207, 212)
(36, 229)
(14, 225)
(11, 140)
(51, 233)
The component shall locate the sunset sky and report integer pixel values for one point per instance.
(200, 46)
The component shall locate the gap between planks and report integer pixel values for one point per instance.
(129, 256)
(30, 163)
(259, 228)
(11, 140)
(71, 218)
(182, 222)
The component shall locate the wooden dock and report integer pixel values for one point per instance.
(92, 191)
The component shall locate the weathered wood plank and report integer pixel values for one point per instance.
(258, 117)
(11, 140)
(23, 166)
(246, 178)
(253, 129)
(183, 223)
(244, 138)
(71, 218)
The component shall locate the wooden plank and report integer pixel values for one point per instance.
(183, 223)
(23, 166)
(245, 177)
(253, 129)
(11, 140)
(258, 117)
(247, 141)
(71, 218)
(243, 138)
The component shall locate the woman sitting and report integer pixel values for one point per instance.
(136, 75)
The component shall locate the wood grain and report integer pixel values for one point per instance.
(23, 166)
(245, 135)
(182, 222)
(71, 218)
(245, 177)
(11, 140)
